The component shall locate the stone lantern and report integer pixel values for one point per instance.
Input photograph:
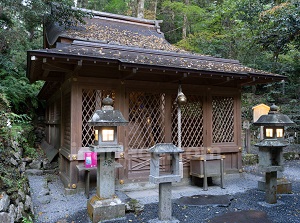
(271, 149)
(164, 180)
(105, 205)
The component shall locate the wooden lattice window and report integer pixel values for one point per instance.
(146, 119)
(191, 122)
(222, 119)
(91, 101)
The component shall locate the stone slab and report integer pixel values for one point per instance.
(156, 220)
(242, 217)
(268, 205)
(34, 172)
(203, 200)
(142, 193)
(49, 150)
(283, 186)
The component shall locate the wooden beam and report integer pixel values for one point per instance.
(228, 79)
(78, 66)
(57, 67)
(133, 73)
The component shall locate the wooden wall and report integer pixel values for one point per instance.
(212, 112)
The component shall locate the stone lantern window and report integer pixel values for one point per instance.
(105, 122)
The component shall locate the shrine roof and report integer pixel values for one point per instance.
(130, 42)
(114, 29)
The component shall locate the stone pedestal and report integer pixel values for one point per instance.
(283, 186)
(165, 205)
(106, 175)
(105, 209)
(271, 187)
(271, 162)
(165, 202)
(105, 205)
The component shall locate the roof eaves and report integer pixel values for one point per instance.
(239, 71)
(45, 52)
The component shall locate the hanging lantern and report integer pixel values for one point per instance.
(181, 98)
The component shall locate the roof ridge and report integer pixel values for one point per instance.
(185, 54)
(120, 17)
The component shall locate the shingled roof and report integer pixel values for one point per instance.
(132, 43)
(115, 30)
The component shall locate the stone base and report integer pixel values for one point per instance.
(105, 209)
(283, 186)
(69, 191)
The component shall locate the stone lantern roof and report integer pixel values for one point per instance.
(107, 116)
(274, 118)
(161, 148)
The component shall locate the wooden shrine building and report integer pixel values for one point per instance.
(130, 60)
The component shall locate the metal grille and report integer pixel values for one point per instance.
(146, 119)
(91, 101)
(223, 119)
(191, 122)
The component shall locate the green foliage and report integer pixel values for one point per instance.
(27, 220)
(172, 13)
(279, 27)
(260, 34)
(14, 129)
(24, 19)
(112, 6)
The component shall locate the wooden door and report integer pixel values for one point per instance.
(145, 128)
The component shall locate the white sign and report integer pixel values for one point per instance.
(246, 124)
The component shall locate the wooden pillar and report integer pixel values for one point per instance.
(122, 105)
(76, 131)
(207, 117)
(168, 118)
(238, 128)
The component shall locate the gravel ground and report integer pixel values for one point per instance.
(51, 205)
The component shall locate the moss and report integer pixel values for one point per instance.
(250, 159)
(290, 155)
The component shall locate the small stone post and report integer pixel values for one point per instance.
(164, 181)
(165, 202)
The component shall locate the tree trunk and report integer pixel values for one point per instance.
(185, 22)
(81, 3)
(155, 8)
(140, 9)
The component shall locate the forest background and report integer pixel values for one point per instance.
(263, 34)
